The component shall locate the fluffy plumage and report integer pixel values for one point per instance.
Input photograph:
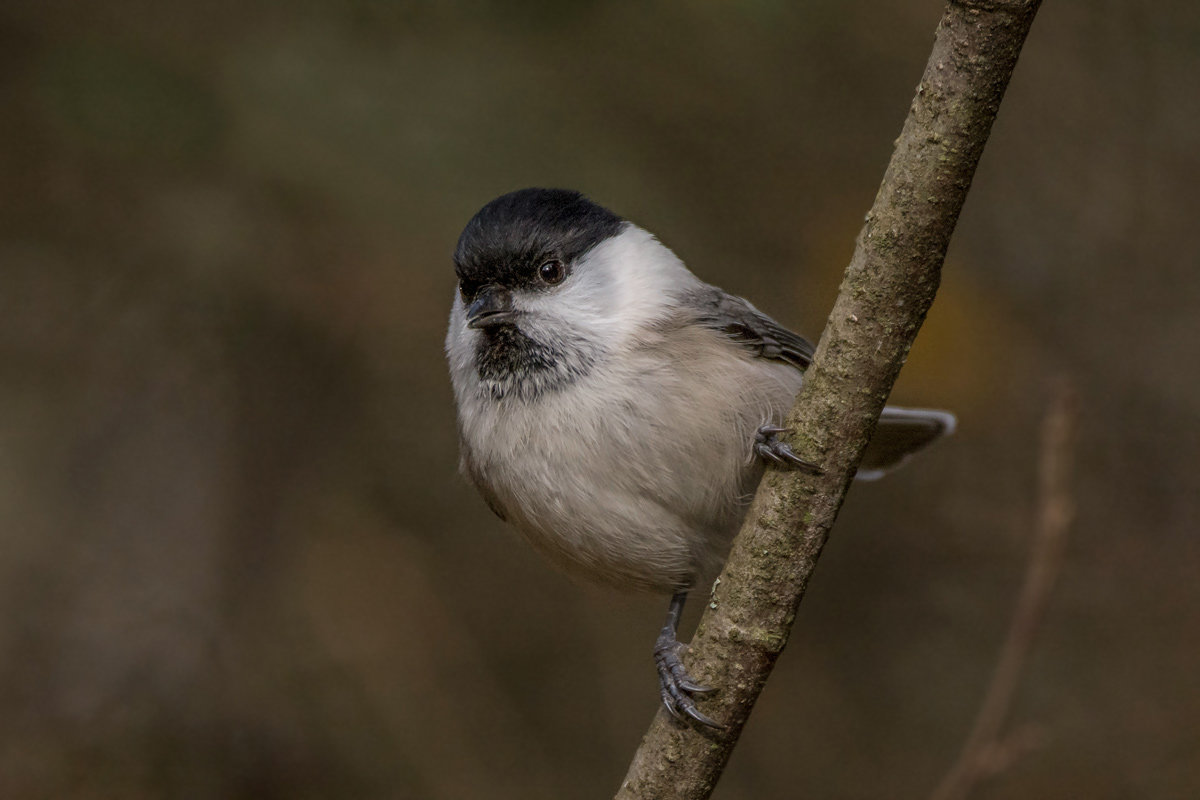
(611, 416)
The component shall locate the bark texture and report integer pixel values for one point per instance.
(884, 296)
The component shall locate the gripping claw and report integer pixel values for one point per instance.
(675, 685)
(768, 446)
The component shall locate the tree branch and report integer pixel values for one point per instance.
(1056, 509)
(887, 289)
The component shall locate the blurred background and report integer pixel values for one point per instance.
(236, 559)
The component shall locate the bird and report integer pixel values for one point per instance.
(618, 411)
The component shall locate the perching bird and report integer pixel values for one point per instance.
(617, 410)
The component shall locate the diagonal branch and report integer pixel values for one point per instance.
(884, 296)
(1056, 509)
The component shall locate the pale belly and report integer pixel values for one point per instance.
(643, 485)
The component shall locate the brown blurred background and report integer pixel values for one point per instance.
(236, 560)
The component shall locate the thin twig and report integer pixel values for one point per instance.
(1056, 509)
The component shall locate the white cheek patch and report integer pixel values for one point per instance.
(645, 274)
(581, 302)
(616, 290)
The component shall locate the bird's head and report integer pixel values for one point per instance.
(549, 283)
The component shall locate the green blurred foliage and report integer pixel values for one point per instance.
(236, 559)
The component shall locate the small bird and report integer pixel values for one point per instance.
(617, 410)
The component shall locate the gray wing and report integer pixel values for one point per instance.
(749, 327)
(900, 432)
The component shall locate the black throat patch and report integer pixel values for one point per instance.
(510, 364)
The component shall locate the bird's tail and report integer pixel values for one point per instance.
(900, 433)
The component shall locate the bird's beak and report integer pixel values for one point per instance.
(492, 306)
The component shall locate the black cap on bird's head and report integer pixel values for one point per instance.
(511, 237)
(512, 256)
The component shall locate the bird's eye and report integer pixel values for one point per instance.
(552, 272)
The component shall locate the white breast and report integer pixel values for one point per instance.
(640, 473)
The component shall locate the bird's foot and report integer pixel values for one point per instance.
(676, 686)
(768, 447)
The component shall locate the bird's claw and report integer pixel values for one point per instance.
(768, 446)
(676, 686)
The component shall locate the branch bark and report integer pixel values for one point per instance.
(885, 294)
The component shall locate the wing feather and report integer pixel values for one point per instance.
(747, 326)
